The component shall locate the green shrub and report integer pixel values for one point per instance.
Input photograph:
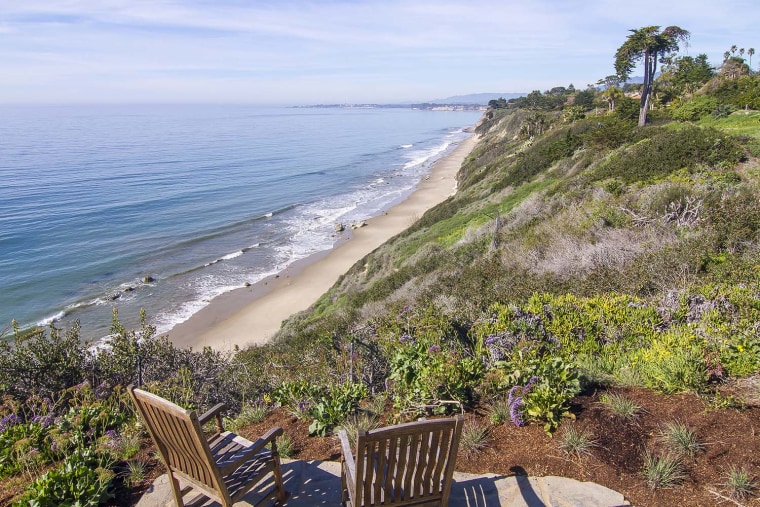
(627, 108)
(666, 151)
(42, 362)
(741, 355)
(675, 362)
(611, 132)
(337, 403)
(547, 150)
(295, 392)
(695, 109)
(735, 218)
(542, 391)
(429, 375)
(740, 93)
(83, 480)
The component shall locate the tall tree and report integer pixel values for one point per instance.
(685, 74)
(750, 52)
(649, 45)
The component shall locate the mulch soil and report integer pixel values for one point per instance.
(729, 437)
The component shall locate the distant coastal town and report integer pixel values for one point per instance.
(425, 106)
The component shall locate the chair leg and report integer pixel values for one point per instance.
(176, 490)
(343, 486)
(282, 495)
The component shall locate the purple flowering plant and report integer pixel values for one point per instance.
(405, 338)
(9, 421)
(516, 401)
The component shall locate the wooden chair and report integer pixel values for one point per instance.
(223, 467)
(407, 464)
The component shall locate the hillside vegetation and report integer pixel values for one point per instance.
(580, 253)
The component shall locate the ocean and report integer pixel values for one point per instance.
(166, 207)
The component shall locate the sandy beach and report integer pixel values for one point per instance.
(252, 315)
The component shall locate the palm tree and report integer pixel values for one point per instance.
(612, 94)
(750, 52)
(733, 49)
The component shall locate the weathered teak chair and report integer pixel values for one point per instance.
(407, 464)
(223, 467)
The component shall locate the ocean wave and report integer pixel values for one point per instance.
(227, 257)
(422, 157)
(53, 318)
(405, 146)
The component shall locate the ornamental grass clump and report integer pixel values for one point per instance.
(576, 442)
(353, 424)
(680, 439)
(739, 483)
(286, 446)
(475, 438)
(135, 472)
(663, 471)
(251, 414)
(500, 411)
(375, 404)
(619, 405)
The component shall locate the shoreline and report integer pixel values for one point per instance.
(253, 315)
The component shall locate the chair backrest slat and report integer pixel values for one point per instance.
(402, 450)
(423, 463)
(406, 464)
(388, 484)
(440, 464)
(427, 476)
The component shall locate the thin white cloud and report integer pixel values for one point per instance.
(290, 50)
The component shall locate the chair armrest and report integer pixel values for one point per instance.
(348, 458)
(263, 440)
(272, 434)
(251, 450)
(215, 411)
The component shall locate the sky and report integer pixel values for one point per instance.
(292, 52)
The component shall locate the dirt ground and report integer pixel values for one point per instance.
(729, 437)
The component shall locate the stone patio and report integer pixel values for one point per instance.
(314, 483)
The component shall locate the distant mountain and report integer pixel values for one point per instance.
(477, 98)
